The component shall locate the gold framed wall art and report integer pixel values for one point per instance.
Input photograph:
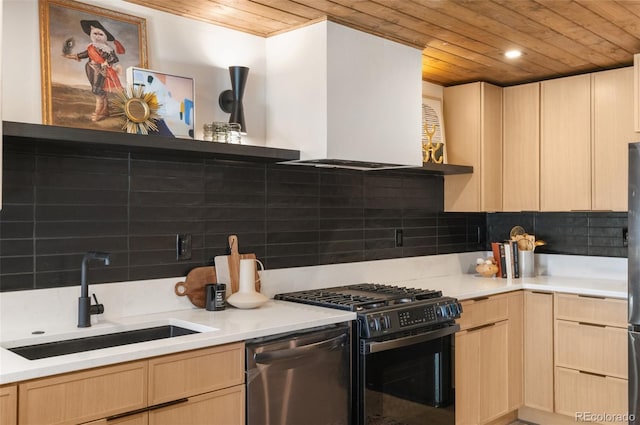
(84, 53)
(433, 141)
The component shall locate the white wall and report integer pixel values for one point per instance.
(176, 45)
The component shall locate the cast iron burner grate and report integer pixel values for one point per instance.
(359, 296)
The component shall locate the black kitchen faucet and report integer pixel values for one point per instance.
(85, 309)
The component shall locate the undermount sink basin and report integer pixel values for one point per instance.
(88, 343)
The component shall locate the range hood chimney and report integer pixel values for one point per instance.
(344, 98)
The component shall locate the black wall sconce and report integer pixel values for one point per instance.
(230, 101)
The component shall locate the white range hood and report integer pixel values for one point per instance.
(344, 98)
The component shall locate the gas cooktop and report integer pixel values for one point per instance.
(359, 297)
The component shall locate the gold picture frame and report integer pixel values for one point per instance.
(84, 53)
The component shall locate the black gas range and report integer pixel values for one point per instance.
(384, 309)
(401, 349)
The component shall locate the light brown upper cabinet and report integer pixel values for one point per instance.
(636, 92)
(473, 128)
(612, 132)
(565, 144)
(521, 148)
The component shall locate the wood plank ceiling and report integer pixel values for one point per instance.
(462, 40)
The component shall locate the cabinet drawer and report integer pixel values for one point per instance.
(604, 311)
(83, 396)
(581, 393)
(481, 311)
(592, 348)
(223, 407)
(195, 372)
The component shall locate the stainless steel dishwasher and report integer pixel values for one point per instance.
(301, 378)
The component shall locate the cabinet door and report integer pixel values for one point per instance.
(521, 148)
(461, 108)
(223, 407)
(538, 350)
(493, 363)
(491, 154)
(473, 120)
(612, 132)
(467, 377)
(9, 405)
(83, 396)
(481, 361)
(516, 350)
(565, 144)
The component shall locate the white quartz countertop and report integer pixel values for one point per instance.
(466, 286)
(136, 305)
(217, 327)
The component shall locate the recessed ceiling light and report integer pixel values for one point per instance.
(512, 54)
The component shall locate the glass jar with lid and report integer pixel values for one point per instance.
(221, 132)
(234, 133)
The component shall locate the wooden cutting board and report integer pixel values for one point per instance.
(229, 266)
(194, 285)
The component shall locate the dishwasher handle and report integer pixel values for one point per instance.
(292, 353)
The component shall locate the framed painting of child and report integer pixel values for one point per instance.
(84, 53)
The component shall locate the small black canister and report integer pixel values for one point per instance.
(216, 296)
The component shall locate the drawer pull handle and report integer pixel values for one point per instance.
(480, 299)
(597, 325)
(146, 409)
(591, 296)
(541, 292)
(488, 325)
(599, 375)
(168, 403)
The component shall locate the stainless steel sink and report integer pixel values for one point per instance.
(88, 343)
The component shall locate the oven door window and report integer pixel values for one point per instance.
(409, 385)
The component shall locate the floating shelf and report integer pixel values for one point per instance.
(149, 143)
(153, 143)
(446, 169)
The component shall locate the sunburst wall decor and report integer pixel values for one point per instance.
(137, 109)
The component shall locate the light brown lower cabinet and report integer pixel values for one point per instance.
(538, 350)
(591, 365)
(8, 405)
(488, 359)
(194, 387)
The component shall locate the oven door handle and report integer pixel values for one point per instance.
(375, 347)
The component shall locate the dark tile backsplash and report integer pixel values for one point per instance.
(573, 233)
(60, 202)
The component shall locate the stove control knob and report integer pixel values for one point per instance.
(446, 311)
(385, 322)
(374, 324)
